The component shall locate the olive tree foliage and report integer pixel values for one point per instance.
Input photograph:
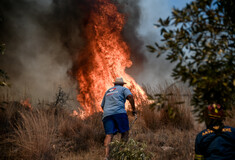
(200, 40)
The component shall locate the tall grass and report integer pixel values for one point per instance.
(230, 121)
(47, 134)
(34, 136)
(170, 107)
(53, 133)
(9, 117)
(79, 135)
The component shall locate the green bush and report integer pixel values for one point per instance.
(130, 150)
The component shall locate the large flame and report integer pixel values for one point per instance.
(104, 57)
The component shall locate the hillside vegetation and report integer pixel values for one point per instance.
(166, 128)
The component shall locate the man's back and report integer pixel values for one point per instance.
(114, 100)
(220, 146)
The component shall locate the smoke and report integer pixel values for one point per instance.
(43, 39)
(35, 59)
(132, 11)
(156, 70)
(139, 31)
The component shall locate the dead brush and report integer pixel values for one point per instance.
(9, 117)
(151, 118)
(95, 122)
(34, 136)
(79, 135)
(230, 120)
(172, 143)
(73, 134)
(170, 107)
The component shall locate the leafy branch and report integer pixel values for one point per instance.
(200, 40)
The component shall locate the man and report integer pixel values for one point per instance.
(114, 114)
(217, 142)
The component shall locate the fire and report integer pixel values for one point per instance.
(80, 115)
(104, 57)
(26, 103)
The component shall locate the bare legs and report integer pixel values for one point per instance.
(108, 139)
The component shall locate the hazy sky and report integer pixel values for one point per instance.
(156, 70)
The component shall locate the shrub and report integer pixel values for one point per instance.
(129, 150)
(45, 133)
(96, 125)
(34, 136)
(170, 107)
(9, 117)
(81, 134)
(151, 118)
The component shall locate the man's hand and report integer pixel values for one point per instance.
(134, 113)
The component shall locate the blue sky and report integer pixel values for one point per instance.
(178, 3)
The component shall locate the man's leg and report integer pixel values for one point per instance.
(107, 140)
(125, 136)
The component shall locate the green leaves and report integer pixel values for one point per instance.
(151, 49)
(202, 46)
(129, 150)
(164, 22)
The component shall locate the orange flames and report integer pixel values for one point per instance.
(105, 57)
(26, 103)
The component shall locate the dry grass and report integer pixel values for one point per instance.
(165, 142)
(42, 134)
(9, 116)
(169, 143)
(79, 135)
(231, 121)
(34, 136)
(46, 134)
(170, 108)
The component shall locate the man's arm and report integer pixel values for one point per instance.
(132, 102)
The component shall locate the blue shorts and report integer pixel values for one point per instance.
(116, 123)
